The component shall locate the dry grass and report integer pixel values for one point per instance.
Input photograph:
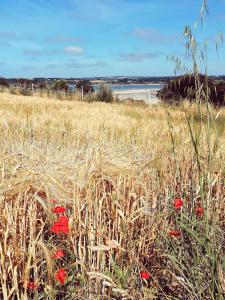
(117, 169)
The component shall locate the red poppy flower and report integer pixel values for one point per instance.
(58, 254)
(63, 220)
(59, 209)
(178, 203)
(31, 285)
(145, 275)
(61, 275)
(175, 233)
(59, 227)
(199, 211)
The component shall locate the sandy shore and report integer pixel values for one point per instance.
(138, 94)
(135, 91)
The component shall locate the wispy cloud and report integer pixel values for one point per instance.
(11, 39)
(74, 50)
(154, 35)
(63, 39)
(221, 16)
(112, 11)
(138, 56)
(99, 63)
(46, 8)
(29, 68)
(87, 64)
(4, 34)
(52, 66)
(72, 64)
(32, 52)
(6, 44)
(7, 35)
(95, 10)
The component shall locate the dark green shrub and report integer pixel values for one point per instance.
(3, 82)
(41, 86)
(104, 93)
(25, 92)
(84, 85)
(13, 90)
(188, 86)
(60, 85)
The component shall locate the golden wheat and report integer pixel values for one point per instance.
(115, 169)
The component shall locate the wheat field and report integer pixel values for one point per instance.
(116, 169)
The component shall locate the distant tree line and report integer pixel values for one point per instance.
(174, 91)
(25, 87)
(56, 85)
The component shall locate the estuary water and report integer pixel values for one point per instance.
(146, 92)
(127, 87)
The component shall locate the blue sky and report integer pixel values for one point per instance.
(76, 38)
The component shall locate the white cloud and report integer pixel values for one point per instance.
(74, 50)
